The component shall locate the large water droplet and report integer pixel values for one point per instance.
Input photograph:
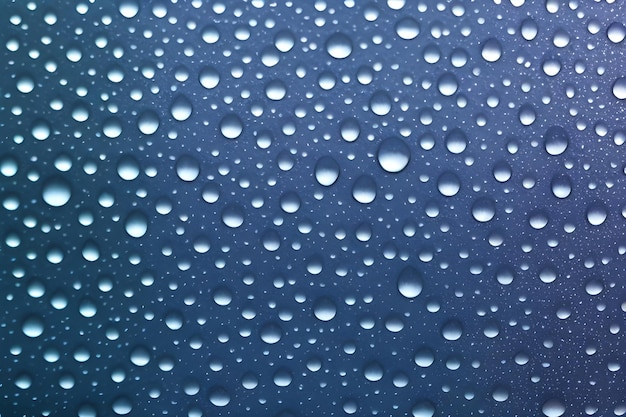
(326, 171)
(393, 155)
(181, 108)
(339, 46)
(452, 330)
(491, 50)
(483, 209)
(56, 192)
(136, 224)
(553, 408)
(231, 126)
(33, 326)
(324, 309)
(410, 282)
(364, 189)
(187, 168)
(556, 140)
(448, 184)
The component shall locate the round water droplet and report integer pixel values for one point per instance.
(140, 356)
(423, 408)
(275, 90)
(350, 130)
(56, 192)
(452, 330)
(136, 224)
(410, 282)
(8, 165)
(284, 41)
(128, 168)
(527, 115)
(561, 186)
(33, 326)
(556, 140)
(373, 371)
(128, 8)
(40, 129)
(502, 171)
(553, 408)
(181, 108)
(233, 215)
(597, 213)
(594, 287)
(456, 141)
(364, 189)
(491, 50)
(187, 168)
(424, 357)
(122, 406)
(616, 32)
(271, 333)
(271, 240)
(393, 155)
(219, 397)
(25, 84)
(407, 28)
(231, 126)
(483, 209)
(327, 171)
(380, 103)
(529, 29)
(174, 320)
(209, 77)
(112, 127)
(619, 88)
(290, 202)
(448, 184)
(339, 46)
(447, 84)
(548, 274)
(148, 123)
(505, 276)
(500, 393)
(324, 309)
(538, 219)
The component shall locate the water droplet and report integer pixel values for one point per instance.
(483, 209)
(181, 108)
(219, 397)
(140, 356)
(136, 224)
(556, 140)
(491, 50)
(350, 130)
(275, 90)
(233, 215)
(128, 168)
(561, 186)
(187, 168)
(424, 357)
(410, 282)
(393, 155)
(33, 326)
(452, 330)
(448, 84)
(500, 393)
(112, 128)
(619, 88)
(40, 129)
(271, 333)
(122, 406)
(380, 103)
(326, 171)
(448, 184)
(529, 29)
(324, 309)
(128, 8)
(553, 408)
(209, 77)
(174, 320)
(407, 28)
(8, 165)
(373, 371)
(423, 408)
(596, 213)
(56, 192)
(25, 84)
(456, 141)
(364, 189)
(148, 123)
(231, 126)
(339, 45)
(616, 32)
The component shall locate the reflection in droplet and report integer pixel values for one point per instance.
(326, 171)
(339, 46)
(364, 189)
(410, 282)
(393, 154)
(483, 209)
(181, 108)
(553, 408)
(56, 192)
(491, 50)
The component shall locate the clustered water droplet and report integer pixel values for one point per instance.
(298, 208)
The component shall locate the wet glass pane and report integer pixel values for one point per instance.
(320, 208)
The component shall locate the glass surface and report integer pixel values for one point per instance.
(316, 208)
